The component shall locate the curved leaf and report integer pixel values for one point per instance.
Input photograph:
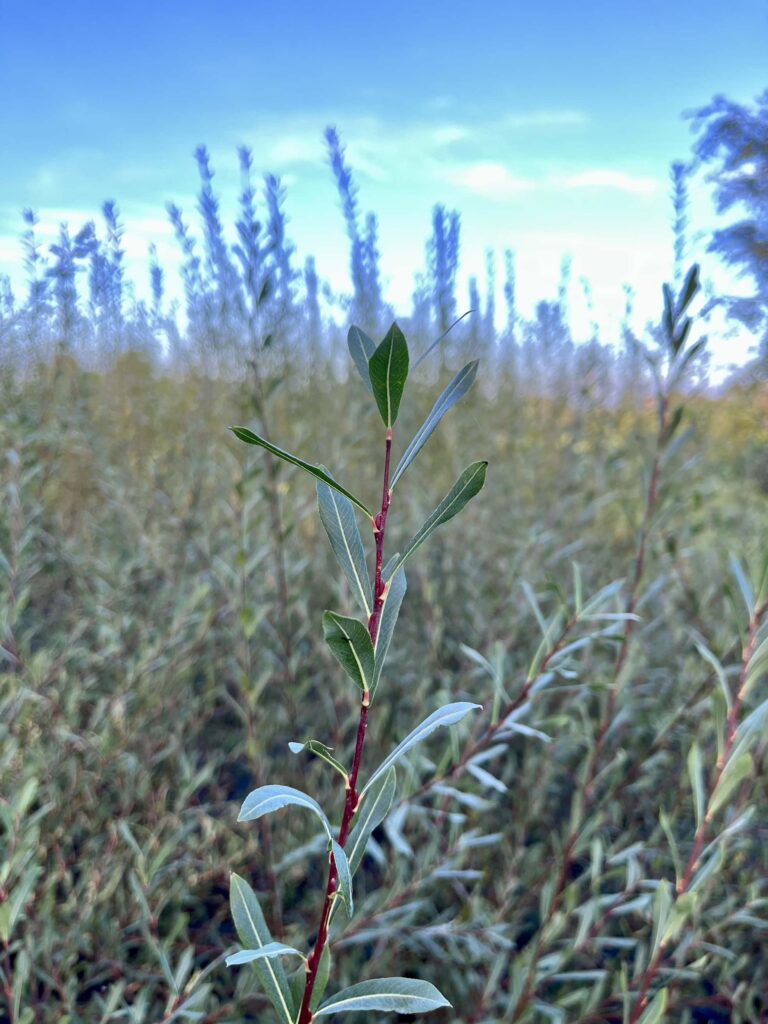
(345, 876)
(253, 933)
(324, 753)
(267, 799)
(337, 515)
(392, 600)
(398, 995)
(455, 391)
(388, 369)
(449, 714)
(272, 949)
(375, 807)
(466, 487)
(350, 644)
(244, 434)
(361, 348)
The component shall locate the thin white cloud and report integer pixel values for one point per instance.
(610, 179)
(490, 179)
(297, 149)
(545, 119)
(448, 133)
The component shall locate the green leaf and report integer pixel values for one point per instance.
(323, 976)
(361, 348)
(393, 598)
(387, 995)
(388, 369)
(272, 949)
(338, 517)
(654, 1012)
(374, 808)
(253, 933)
(696, 775)
(736, 770)
(267, 799)
(244, 434)
(350, 644)
(455, 391)
(449, 714)
(466, 487)
(345, 876)
(320, 750)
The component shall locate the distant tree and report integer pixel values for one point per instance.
(732, 140)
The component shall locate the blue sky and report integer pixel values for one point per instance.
(551, 126)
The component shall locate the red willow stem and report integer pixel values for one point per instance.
(352, 797)
(700, 837)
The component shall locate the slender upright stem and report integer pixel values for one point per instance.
(352, 798)
(684, 884)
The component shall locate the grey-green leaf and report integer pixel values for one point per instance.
(323, 752)
(449, 714)
(271, 950)
(338, 517)
(350, 644)
(696, 776)
(392, 601)
(386, 995)
(374, 809)
(267, 799)
(455, 391)
(388, 369)
(253, 933)
(466, 487)
(361, 348)
(244, 434)
(345, 876)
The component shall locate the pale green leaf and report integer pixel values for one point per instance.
(696, 775)
(466, 487)
(385, 995)
(267, 799)
(254, 934)
(320, 750)
(373, 810)
(455, 391)
(244, 434)
(272, 949)
(447, 715)
(654, 1012)
(361, 348)
(736, 770)
(337, 515)
(393, 598)
(345, 876)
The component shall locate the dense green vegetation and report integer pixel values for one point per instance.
(162, 588)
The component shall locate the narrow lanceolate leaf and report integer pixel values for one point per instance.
(267, 799)
(373, 810)
(244, 434)
(272, 949)
(654, 1012)
(361, 348)
(338, 517)
(350, 644)
(386, 995)
(696, 775)
(345, 876)
(253, 933)
(456, 390)
(449, 714)
(466, 487)
(393, 599)
(388, 369)
(736, 770)
(324, 753)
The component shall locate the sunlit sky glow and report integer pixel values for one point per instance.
(550, 126)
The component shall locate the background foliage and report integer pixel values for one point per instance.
(161, 591)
